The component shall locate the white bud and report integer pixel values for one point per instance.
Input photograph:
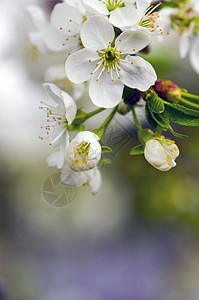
(161, 153)
(84, 152)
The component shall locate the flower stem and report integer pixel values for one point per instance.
(188, 103)
(190, 96)
(101, 129)
(136, 121)
(94, 112)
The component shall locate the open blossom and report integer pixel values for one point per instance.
(64, 30)
(40, 22)
(84, 151)
(58, 118)
(107, 63)
(91, 178)
(185, 19)
(144, 15)
(161, 153)
(189, 44)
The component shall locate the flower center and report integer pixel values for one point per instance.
(183, 19)
(113, 4)
(150, 20)
(81, 153)
(110, 57)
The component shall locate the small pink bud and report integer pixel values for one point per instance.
(167, 90)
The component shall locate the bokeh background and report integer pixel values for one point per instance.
(137, 240)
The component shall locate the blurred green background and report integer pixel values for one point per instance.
(138, 239)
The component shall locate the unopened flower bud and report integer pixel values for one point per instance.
(167, 90)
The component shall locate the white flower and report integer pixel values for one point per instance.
(58, 117)
(108, 64)
(84, 151)
(189, 43)
(144, 15)
(161, 153)
(185, 20)
(63, 33)
(39, 19)
(57, 75)
(91, 178)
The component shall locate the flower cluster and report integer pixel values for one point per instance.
(97, 45)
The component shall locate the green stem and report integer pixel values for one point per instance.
(94, 112)
(136, 121)
(101, 129)
(189, 104)
(190, 96)
(158, 130)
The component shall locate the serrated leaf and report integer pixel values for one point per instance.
(178, 135)
(106, 149)
(149, 118)
(155, 103)
(137, 150)
(181, 115)
(160, 119)
(105, 161)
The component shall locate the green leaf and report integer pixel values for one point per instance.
(181, 115)
(106, 149)
(155, 103)
(149, 118)
(178, 135)
(137, 150)
(160, 119)
(104, 161)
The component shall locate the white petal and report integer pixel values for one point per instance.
(139, 75)
(143, 4)
(70, 105)
(56, 41)
(171, 149)
(94, 180)
(38, 16)
(194, 55)
(68, 176)
(155, 154)
(96, 33)
(57, 158)
(86, 136)
(78, 4)
(104, 92)
(53, 159)
(78, 67)
(184, 44)
(132, 41)
(125, 17)
(66, 17)
(96, 7)
(54, 92)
